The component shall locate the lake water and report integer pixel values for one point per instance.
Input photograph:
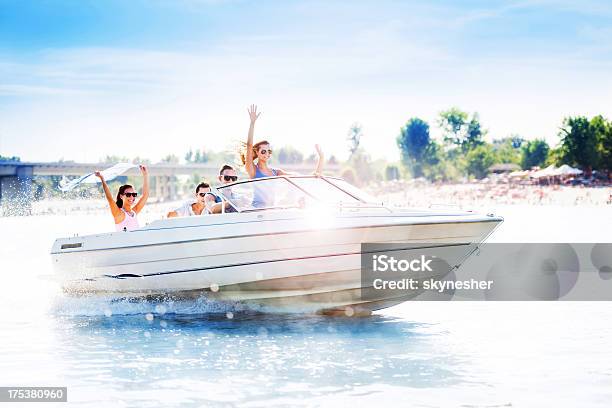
(476, 354)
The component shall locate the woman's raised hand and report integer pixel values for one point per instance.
(319, 150)
(143, 170)
(99, 175)
(320, 162)
(253, 114)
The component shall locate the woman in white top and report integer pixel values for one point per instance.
(196, 206)
(123, 208)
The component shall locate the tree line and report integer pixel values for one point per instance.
(584, 143)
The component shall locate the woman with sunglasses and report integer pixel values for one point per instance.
(123, 208)
(262, 152)
(263, 195)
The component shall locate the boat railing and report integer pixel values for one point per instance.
(444, 206)
(364, 206)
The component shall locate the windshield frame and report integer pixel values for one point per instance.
(369, 203)
(219, 190)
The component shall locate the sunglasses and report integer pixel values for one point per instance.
(131, 194)
(202, 194)
(264, 151)
(230, 178)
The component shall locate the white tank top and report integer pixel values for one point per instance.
(130, 222)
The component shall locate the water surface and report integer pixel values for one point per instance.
(193, 354)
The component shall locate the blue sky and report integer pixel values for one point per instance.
(82, 79)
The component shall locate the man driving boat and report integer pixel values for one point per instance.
(227, 175)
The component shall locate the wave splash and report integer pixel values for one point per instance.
(112, 306)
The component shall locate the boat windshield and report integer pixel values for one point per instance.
(289, 192)
(323, 191)
(265, 193)
(354, 191)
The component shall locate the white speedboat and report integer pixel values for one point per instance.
(289, 244)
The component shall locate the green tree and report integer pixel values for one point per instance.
(221, 157)
(199, 156)
(579, 141)
(416, 147)
(115, 159)
(9, 158)
(534, 153)
(517, 141)
(554, 157)
(603, 134)
(392, 172)
(353, 137)
(460, 130)
(507, 149)
(443, 170)
(312, 158)
(348, 174)
(362, 167)
(171, 158)
(452, 122)
(474, 135)
(479, 159)
(606, 150)
(189, 156)
(140, 160)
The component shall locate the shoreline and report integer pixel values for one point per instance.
(395, 194)
(471, 195)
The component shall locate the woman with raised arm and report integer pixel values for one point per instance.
(123, 209)
(262, 152)
(264, 194)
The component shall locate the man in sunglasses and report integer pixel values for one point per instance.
(227, 175)
(196, 206)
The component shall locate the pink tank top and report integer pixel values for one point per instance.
(130, 222)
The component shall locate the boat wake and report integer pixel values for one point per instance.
(112, 306)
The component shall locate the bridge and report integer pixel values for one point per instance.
(16, 178)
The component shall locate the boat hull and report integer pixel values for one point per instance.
(272, 263)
